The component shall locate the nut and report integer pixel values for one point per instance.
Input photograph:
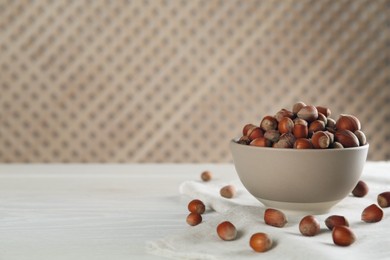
(297, 106)
(196, 206)
(228, 191)
(384, 199)
(274, 217)
(284, 113)
(194, 219)
(360, 190)
(268, 123)
(346, 138)
(244, 140)
(343, 236)
(227, 231)
(320, 140)
(254, 133)
(316, 126)
(336, 220)
(331, 136)
(260, 242)
(324, 110)
(285, 125)
(272, 135)
(336, 145)
(348, 122)
(309, 226)
(300, 121)
(308, 113)
(322, 118)
(303, 143)
(361, 137)
(206, 176)
(261, 141)
(300, 131)
(247, 127)
(372, 214)
(331, 123)
(282, 144)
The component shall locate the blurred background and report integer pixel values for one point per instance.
(174, 81)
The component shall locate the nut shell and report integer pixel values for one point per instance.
(320, 140)
(324, 110)
(372, 214)
(274, 217)
(260, 242)
(361, 137)
(298, 106)
(343, 236)
(268, 123)
(309, 226)
(194, 219)
(261, 141)
(384, 199)
(308, 113)
(348, 122)
(303, 143)
(227, 231)
(196, 206)
(228, 191)
(360, 190)
(346, 138)
(254, 133)
(300, 131)
(285, 125)
(336, 220)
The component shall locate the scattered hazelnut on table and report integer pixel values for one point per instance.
(274, 217)
(336, 220)
(194, 219)
(260, 242)
(360, 190)
(227, 231)
(384, 199)
(372, 214)
(343, 236)
(196, 206)
(206, 176)
(228, 191)
(309, 226)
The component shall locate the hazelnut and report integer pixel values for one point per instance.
(322, 118)
(324, 110)
(206, 176)
(228, 191)
(300, 121)
(308, 113)
(297, 106)
(303, 143)
(331, 136)
(227, 231)
(346, 138)
(285, 125)
(360, 190)
(343, 236)
(336, 220)
(300, 131)
(274, 217)
(260, 242)
(309, 226)
(384, 199)
(272, 135)
(284, 113)
(316, 126)
(246, 128)
(361, 137)
(261, 141)
(244, 140)
(196, 206)
(269, 123)
(254, 133)
(336, 145)
(194, 219)
(348, 122)
(282, 144)
(372, 214)
(331, 123)
(320, 140)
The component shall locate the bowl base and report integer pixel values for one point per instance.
(316, 208)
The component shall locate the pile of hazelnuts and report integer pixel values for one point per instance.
(305, 127)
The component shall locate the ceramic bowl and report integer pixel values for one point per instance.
(306, 180)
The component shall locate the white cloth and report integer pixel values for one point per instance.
(246, 213)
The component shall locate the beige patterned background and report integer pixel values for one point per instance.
(173, 81)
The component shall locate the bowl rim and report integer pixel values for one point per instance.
(234, 142)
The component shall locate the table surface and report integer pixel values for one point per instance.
(94, 211)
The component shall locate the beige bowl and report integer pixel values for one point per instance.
(310, 181)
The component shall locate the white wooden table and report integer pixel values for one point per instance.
(92, 211)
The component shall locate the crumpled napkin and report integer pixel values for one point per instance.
(246, 213)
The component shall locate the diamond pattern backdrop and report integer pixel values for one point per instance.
(174, 81)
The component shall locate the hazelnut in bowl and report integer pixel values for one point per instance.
(307, 178)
